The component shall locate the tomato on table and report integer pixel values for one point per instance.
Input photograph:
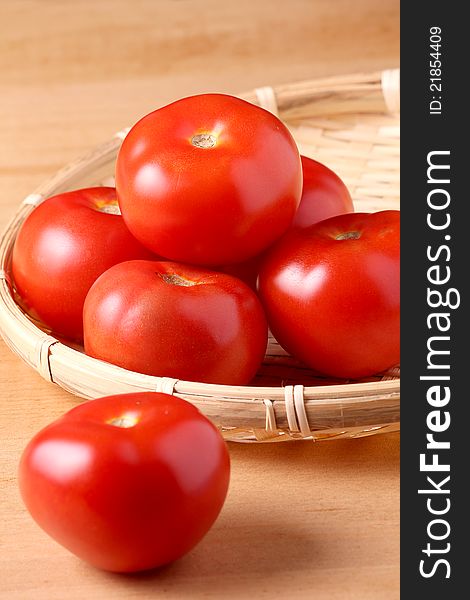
(175, 320)
(62, 247)
(332, 293)
(127, 482)
(209, 180)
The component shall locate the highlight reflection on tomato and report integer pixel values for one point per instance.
(127, 482)
(209, 180)
(332, 293)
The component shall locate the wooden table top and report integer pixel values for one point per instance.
(303, 519)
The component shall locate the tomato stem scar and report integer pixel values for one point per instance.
(204, 140)
(174, 279)
(109, 208)
(124, 421)
(349, 235)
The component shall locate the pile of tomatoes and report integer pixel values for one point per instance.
(216, 231)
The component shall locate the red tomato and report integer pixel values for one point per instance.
(127, 482)
(324, 195)
(209, 179)
(62, 247)
(174, 320)
(332, 293)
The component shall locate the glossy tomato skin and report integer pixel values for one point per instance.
(324, 195)
(332, 293)
(127, 482)
(208, 180)
(62, 247)
(174, 320)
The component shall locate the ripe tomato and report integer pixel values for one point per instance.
(174, 320)
(127, 482)
(332, 293)
(209, 179)
(62, 247)
(324, 195)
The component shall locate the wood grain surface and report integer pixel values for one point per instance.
(302, 520)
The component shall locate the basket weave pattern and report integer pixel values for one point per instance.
(351, 124)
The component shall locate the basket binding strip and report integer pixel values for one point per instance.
(351, 123)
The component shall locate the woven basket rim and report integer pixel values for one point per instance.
(46, 353)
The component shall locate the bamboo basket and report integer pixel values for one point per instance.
(350, 123)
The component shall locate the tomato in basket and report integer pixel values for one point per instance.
(332, 293)
(324, 195)
(174, 320)
(62, 247)
(209, 180)
(127, 482)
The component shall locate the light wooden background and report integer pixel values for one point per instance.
(302, 520)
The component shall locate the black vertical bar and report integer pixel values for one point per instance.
(435, 217)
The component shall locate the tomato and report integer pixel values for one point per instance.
(332, 293)
(127, 482)
(208, 180)
(174, 320)
(62, 247)
(324, 195)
